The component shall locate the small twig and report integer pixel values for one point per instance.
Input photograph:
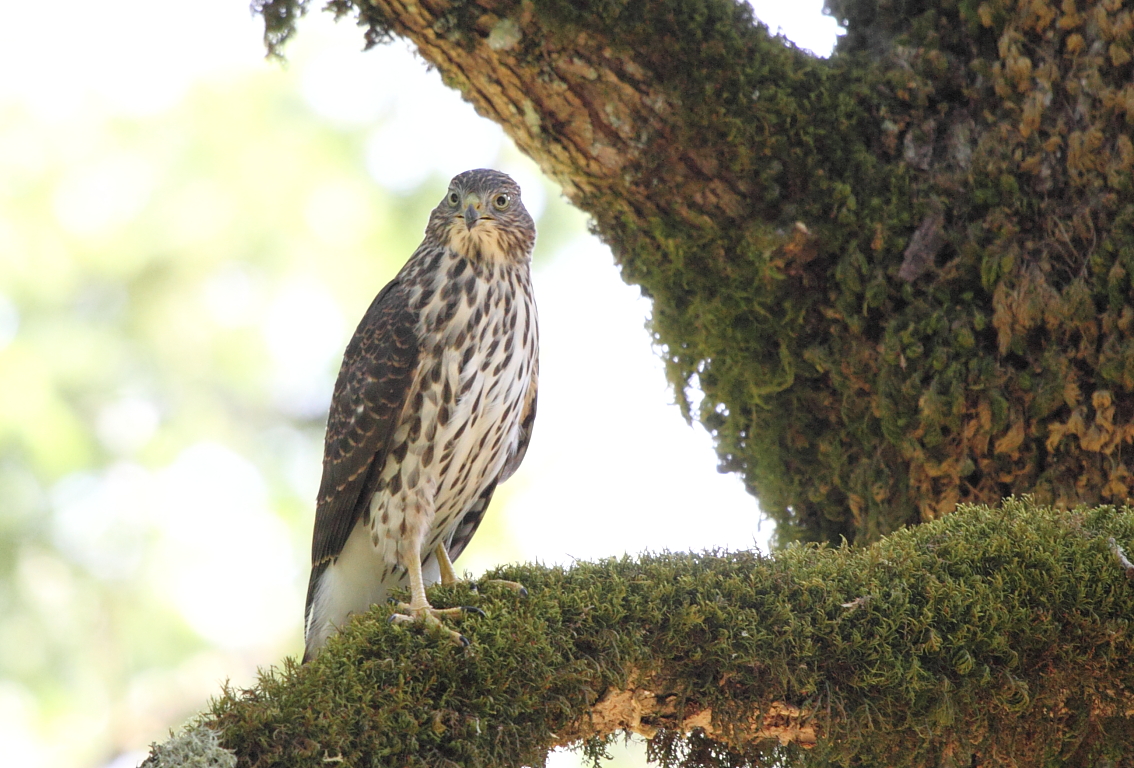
(858, 602)
(1120, 556)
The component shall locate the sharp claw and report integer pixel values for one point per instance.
(432, 617)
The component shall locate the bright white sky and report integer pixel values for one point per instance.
(612, 467)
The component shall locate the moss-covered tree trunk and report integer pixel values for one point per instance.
(901, 276)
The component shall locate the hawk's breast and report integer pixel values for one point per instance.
(462, 418)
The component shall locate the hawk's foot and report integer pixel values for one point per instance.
(515, 586)
(431, 617)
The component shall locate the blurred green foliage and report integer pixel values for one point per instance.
(118, 239)
(168, 282)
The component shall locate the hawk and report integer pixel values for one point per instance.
(432, 408)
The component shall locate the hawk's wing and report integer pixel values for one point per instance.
(465, 529)
(527, 420)
(372, 387)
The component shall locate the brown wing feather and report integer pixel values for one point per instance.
(470, 521)
(465, 529)
(371, 390)
(527, 421)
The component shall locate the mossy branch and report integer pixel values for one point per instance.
(1000, 635)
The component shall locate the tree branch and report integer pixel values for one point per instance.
(613, 106)
(989, 636)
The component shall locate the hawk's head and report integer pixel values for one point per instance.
(482, 217)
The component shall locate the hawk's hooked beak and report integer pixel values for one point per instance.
(471, 216)
(472, 213)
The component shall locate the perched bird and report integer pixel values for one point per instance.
(433, 406)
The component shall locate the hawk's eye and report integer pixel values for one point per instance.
(454, 199)
(501, 201)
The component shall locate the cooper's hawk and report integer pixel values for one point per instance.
(433, 407)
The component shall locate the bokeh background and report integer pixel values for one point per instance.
(188, 235)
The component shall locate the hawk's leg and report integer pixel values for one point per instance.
(419, 609)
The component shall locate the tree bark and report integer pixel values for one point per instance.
(991, 637)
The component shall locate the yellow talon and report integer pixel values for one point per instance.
(515, 586)
(431, 618)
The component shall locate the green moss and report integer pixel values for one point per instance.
(280, 18)
(1000, 634)
(850, 400)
